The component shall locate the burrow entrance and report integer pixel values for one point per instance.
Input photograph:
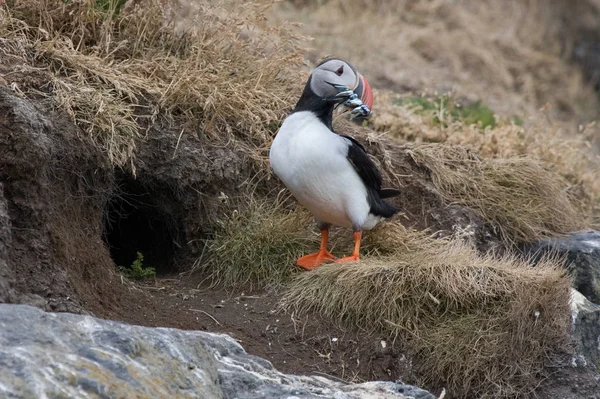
(139, 219)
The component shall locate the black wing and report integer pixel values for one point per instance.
(371, 177)
(366, 168)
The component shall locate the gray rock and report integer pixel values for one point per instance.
(581, 252)
(586, 329)
(575, 375)
(60, 355)
(7, 277)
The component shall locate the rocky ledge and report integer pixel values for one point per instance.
(62, 355)
(580, 252)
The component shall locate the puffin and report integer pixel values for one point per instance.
(331, 174)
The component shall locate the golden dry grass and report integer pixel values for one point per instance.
(571, 154)
(524, 197)
(479, 326)
(220, 71)
(227, 75)
(518, 196)
(511, 55)
(258, 245)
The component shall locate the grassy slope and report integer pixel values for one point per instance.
(233, 78)
(480, 326)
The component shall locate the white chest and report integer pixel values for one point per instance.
(312, 163)
(303, 146)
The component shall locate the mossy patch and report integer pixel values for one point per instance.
(443, 110)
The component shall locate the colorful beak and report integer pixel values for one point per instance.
(364, 91)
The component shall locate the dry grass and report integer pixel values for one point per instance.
(259, 245)
(523, 197)
(479, 326)
(572, 154)
(225, 74)
(218, 70)
(519, 196)
(512, 55)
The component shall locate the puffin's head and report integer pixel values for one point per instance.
(336, 80)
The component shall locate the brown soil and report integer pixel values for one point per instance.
(300, 345)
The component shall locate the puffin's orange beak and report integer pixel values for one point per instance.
(364, 91)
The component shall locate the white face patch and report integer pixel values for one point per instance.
(332, 72)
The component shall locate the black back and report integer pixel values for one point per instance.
(371, 177)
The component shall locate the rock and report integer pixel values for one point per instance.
(575, 375)
(586, 329)
(67, 355)
(581, 252)
(7, 277)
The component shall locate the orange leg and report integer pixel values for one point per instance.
(311, 261)
(354, 257)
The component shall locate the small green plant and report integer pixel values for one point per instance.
(476, 113)
(517, 120)
(444, 110)
(110, 6)
(421, 104)
(137, 271)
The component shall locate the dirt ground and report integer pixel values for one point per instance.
(307, 345)
(299, 345)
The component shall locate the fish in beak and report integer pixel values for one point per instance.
(357, 96)
(361, 100)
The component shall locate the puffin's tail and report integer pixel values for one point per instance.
(381, 208)
(388, 193)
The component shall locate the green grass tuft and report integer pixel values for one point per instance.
(137, 271)
(110, 6)
(476, 114)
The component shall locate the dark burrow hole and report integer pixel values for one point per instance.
(138, 219)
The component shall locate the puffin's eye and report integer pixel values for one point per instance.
(340, 71)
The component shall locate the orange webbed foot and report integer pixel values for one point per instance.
(354, 257)
(351, 258)
(312, 261)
